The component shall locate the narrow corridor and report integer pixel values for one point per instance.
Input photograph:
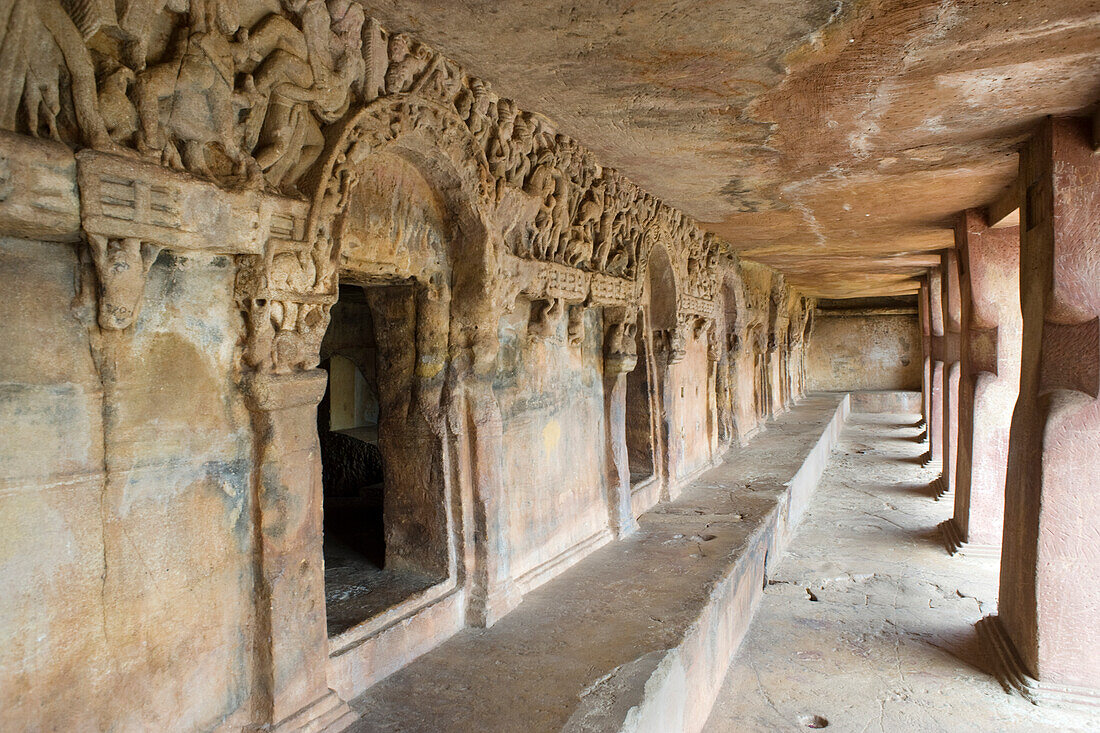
(867, 624)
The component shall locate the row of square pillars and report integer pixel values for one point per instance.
(1010, 401)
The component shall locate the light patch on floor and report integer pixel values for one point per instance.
(867, 623)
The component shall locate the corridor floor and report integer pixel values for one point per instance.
(867, 623)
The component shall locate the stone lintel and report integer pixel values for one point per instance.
(125, 197)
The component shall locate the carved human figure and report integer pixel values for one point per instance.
(498, 152)
(304, 78)
(522, 147)
(39, 46)
(189, 100)
(408, 61)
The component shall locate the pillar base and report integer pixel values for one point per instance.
(939, 489)
(952, 538)
(328, 714)
(1012, 675)
(501, 601)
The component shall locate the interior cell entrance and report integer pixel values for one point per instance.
(383, 521)
(639, 418)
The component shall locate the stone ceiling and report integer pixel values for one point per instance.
(832, 139)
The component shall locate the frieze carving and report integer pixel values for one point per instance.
(130, 211)
(199, 86)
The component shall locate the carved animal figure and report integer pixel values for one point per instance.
(188, 101)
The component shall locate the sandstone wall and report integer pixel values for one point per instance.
(551, 401)
(125, 498)
(864, 352)
(161, 499)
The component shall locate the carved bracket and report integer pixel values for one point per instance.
(121, 268)
(131, 210)
(620, 344)
(1070, 357)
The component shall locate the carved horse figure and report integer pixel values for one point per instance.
(189, 101)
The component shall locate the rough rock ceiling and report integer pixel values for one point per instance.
(833, 139)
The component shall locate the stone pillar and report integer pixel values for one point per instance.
(714, 362)
(935, 402)
(952, 369)
(620, 358)
(291, 631)
(989, 275)
(491, 591)
(926, 351)
(775, 376)
(1046, 631)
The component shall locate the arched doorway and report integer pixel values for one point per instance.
(386, 530)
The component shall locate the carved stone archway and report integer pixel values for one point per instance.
(458, 397)
(286, 294)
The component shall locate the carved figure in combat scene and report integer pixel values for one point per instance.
(189, 101)
(544, 184)
(523, 148)
(473, 105)
(581, 244)
(299, 79)
(498, 153)
(48, 75)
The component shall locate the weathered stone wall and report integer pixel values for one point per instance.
(876, 352)
(162, 518)
(551, 398)
(687, 412)
(125, 497)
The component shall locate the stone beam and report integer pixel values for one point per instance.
(1005, 210)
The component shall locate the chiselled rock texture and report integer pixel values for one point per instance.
(318, 350)
(1045, 610)
(836, 141)
(301, 312)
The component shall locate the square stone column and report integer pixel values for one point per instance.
(926, 356)
(1047, 631)
(989, 274)
(291, 629)
(952, 369)
(935, 396)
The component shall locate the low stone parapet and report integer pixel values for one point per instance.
(638, 635)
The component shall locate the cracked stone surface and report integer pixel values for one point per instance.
(867, 621)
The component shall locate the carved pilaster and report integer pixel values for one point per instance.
(620, 358)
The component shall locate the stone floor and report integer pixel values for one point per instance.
(867, 624)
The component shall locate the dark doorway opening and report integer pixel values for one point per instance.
(639, 418)
(362, 579)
